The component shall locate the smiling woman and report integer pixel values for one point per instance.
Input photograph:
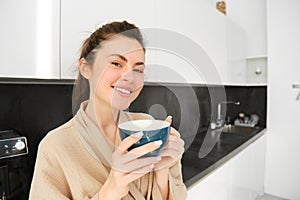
(85, 158)
(115, 78)
(114, 36)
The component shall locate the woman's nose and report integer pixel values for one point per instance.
(127, 75)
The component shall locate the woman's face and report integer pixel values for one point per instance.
(118, 72)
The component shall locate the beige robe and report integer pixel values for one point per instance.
(73, 163)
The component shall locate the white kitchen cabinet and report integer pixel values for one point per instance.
(248, 171)
(206, 27)
(214, 186)
(251, 16)
(29, 39)
(80, 18)
(52, 33)
(197, 21)
(236, 53)
(242, 177)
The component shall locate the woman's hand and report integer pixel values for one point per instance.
(171, 154)
(127, 167)
(173, 150)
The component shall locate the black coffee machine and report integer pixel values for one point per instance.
(14, 178)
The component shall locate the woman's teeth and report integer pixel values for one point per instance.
(122, 90)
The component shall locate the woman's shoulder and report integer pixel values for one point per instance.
(61, 134)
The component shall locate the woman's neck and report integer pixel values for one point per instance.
(105, 117)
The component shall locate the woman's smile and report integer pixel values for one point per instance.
(123, 91)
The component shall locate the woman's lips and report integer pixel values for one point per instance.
(123, 91)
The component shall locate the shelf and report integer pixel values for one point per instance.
(246, 84)
(257, 57)
(31, 81)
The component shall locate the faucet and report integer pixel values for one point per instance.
(220, 122)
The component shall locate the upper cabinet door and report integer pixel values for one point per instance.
(80, 18)
(204, 60)
(29, 39)
(251, 16)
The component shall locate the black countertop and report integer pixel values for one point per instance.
(218, 148)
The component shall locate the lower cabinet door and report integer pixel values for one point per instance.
(242, 177)
(216, 186)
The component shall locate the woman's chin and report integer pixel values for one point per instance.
(121, 104)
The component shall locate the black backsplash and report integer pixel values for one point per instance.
(253, 101)
(174, 99)
(34, 109)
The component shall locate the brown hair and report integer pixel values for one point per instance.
(81, 89)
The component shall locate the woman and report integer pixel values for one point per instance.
(85, 158)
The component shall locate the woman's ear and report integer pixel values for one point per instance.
(85, 68)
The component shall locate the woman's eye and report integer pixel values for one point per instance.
(138, 70)
(116, 64)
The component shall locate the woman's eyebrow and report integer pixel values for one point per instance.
(120, 56)
(125, 59)
(139, 63)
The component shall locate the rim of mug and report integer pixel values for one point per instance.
(124, 125)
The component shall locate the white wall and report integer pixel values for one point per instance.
(283, 148)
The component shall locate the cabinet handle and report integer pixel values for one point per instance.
(298, 97)
(297, 86)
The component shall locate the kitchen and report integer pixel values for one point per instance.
(250, 53)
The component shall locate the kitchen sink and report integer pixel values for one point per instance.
(239, 129)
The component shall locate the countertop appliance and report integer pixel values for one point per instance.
(14, 179)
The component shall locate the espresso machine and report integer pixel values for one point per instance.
(14, 178)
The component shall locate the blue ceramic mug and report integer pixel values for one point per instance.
(153, 130)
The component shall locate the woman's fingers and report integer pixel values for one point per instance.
(129, 141)
(176, 144)
(171, 153)
(137, 168)
(174, 132)
(169, 119)
(128, 161)
(146, 148)
(124, 179)
(137, 165)
(142, 171)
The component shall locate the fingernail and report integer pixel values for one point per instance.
(158, 158)
(157, 143)
(170, 116)
(152, 166)
(138, 134)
